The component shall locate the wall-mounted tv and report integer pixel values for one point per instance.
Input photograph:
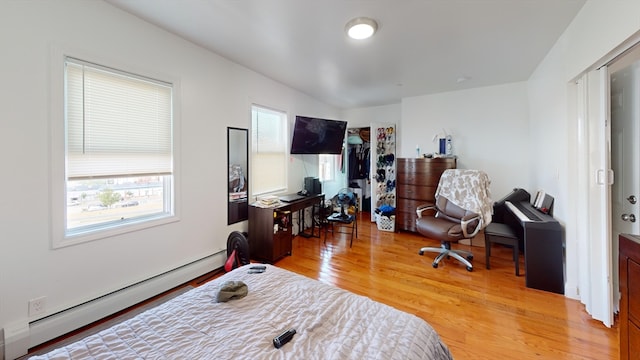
(317, 136)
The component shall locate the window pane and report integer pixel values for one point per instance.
(326, 167)
(93, 202)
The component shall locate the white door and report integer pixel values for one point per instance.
(595, 260)
(625, 148)
(383, 166)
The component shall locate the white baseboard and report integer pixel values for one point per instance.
(16, 339)
(19, 339)
(571, 291)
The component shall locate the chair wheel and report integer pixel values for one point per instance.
(435, 265)
(469, 268)
(470, 257)
(420, 252)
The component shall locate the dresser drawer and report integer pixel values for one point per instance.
(425, 165)
(629, 266)
(419, 178)
(406, 220)
(410, 205)
(633, 282)
(634, 340)
(420, 175)
(406, 213)
(420, 193)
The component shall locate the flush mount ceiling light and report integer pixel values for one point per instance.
(361, 28)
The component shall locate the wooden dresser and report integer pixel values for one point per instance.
(629, 262)
(416, 183)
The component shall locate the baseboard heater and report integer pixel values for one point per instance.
(63, 322)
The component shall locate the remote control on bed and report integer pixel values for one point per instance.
(283, 338)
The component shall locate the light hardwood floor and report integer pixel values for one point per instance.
(484, 314)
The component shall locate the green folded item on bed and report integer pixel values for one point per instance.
(232, 290)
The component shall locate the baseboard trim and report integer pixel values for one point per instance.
(53, 326)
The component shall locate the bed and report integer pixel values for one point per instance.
(330, 323)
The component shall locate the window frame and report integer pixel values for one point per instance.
(58, 200)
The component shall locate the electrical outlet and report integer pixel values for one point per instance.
(37, 306)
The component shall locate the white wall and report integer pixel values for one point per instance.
(214, 92)
(598, 29)
(489, 127)
(363, 117)
(490, 130)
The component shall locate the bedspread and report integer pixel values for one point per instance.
(331, 323)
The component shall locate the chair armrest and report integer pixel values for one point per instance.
(424, 207)
(471, 220)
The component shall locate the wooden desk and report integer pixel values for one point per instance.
(300, 205)
(270, 229)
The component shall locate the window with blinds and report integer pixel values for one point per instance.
(268, 150)
(119, 147)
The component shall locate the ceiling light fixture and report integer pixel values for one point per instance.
(361, 28)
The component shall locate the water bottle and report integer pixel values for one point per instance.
(449, 146)
(442, 149)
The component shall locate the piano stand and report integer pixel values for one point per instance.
(541, 236)
(502, 234)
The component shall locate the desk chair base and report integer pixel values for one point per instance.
(445, 250)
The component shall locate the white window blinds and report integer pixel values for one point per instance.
(269, 150)
(117, 124)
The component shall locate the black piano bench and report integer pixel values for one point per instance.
(501, 234)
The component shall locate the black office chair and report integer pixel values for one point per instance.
(462, 208)
(346, 217)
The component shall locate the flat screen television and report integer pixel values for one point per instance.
(317, 136)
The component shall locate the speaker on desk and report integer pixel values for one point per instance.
(313, 185)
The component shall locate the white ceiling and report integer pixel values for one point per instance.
(421, 47)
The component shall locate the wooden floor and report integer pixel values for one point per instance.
(484, 314)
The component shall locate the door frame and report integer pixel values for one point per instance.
(595, 286)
